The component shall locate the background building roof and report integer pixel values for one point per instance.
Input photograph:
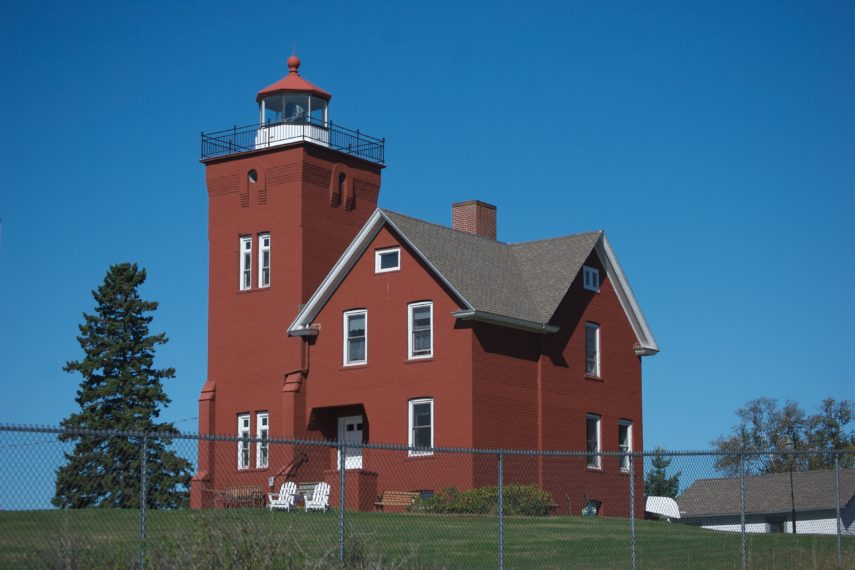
(813, 490)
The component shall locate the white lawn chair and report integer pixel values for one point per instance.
(285, 498)
(320, 499)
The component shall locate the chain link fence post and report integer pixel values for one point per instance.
(342, 456)
(632, 552)
(143, 497)
(501, 485)
(838, 520)
(742, 510)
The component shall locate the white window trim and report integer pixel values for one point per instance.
(410, 309)
(597, 370)
(242, 284)
(243, 437)
(591, 278)
(625, 459)
(262, 443)
(410, 439)
(598, 459)
(379, 253)
(261, 250)
(346, 330)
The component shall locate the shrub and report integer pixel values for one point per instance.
(519, 500)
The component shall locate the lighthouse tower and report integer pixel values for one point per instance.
(285, 197)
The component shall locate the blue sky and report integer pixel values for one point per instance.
(713, 141)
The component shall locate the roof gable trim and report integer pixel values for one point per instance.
(647, 345)
(302, 324)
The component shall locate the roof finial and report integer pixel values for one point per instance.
(294, 61)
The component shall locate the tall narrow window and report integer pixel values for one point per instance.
(262, 427)
(355, 337)
(264, 260)
(591, 278)
(421, 425)
(592, 349)
(625, 443)
(245, 262)
(592, 429)
(421, 330)
(243, 441)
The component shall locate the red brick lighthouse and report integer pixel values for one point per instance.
(285, 197)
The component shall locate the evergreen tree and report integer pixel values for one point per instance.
(120, 390)
(657, 483)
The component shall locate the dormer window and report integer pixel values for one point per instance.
(591, 278)
(387, 260)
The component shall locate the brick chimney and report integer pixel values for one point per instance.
(474, 217)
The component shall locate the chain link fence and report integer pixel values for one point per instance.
(277, 504)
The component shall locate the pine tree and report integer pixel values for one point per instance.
(657, 483)
(120, 390)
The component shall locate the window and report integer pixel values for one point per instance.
(245, 262)
(591, 278)
(625, 443)
(243, 441)
(592, 349)
(420, 337)
(264, 260)
(387, 260)
(262, 427)
(355, 337)
(592, 428)
(421, 425)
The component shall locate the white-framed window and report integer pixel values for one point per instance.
(591, 278)
(262, 447)
(421, 425)
(420, 330)
(245, 262)
(355, 337)
(625, 443)
(243, 442)
(592, 437)
(387, 260)
(264, 260)
(592, 349)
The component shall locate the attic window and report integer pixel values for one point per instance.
(387, 260)
(591, 278)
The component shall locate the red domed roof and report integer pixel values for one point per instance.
(293, 83)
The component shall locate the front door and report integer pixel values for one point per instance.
(349, 431)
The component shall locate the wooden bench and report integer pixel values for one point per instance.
(240, 496)
(398, 500)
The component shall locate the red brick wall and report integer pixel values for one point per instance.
(248, 348)
(507, 407)
(389, 380)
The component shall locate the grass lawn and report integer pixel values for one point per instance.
(254, 538)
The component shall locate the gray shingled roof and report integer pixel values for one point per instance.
(813, 490)
(525, 280)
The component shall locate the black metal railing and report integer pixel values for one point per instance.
(260, 136)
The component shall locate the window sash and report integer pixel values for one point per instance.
(592, 436)
(243, 441)
(262, 446)
(421, 330)
(625, 443)
(387, 260)
(356, 337)
(264, 260)
(421, 426)
(592, 349)
(245, 262)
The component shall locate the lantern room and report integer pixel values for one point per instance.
(292, 109)
(293, 100)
